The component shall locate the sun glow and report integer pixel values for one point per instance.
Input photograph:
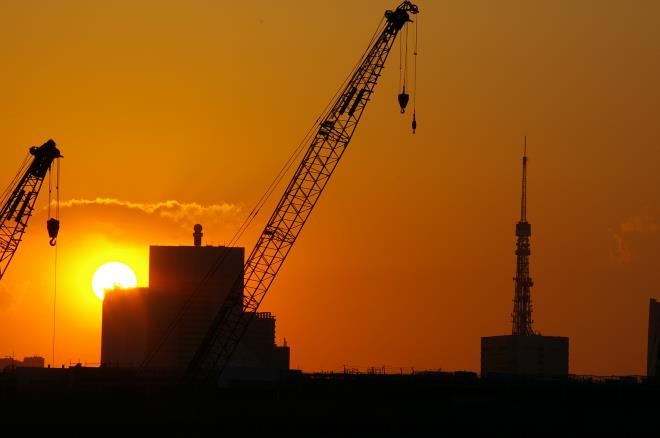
(112, 275)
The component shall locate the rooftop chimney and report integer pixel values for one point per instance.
(197, 235)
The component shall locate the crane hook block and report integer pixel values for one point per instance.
(53, 226)
(403, 100)
(414, 123)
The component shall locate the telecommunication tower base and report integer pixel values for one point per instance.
(530, 355)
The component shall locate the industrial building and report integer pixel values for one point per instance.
(524, 351)
(140, 322)
(653, 351)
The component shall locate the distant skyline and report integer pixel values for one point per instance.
(170, 114)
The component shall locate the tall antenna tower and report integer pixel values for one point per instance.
(522, 303)
(523, 351)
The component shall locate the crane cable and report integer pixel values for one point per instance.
(403, 96)
(299, 149)
(57, 216)
(8, 190)
(53, 223)
(54, 303)
(260, 203)
(414, 120)
(405, 69)
(401, 80)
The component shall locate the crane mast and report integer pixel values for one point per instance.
(301, 195)
(19, 199)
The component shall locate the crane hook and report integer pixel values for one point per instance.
(53, 226)
(414, 123)
(403, 100)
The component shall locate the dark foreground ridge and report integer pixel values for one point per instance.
(325, 402)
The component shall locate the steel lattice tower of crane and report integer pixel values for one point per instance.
(327, 147)
(522, 303)
(18, 200)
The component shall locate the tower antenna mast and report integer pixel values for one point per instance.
(522, 303)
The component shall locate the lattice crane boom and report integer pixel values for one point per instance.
(19, 199)
(301, 195)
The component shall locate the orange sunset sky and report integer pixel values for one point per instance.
(170, 113)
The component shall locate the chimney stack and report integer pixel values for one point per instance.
(197, 235)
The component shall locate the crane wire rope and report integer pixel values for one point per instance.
(405, 70)
(403, 60)
(400, 63)
(297, 151)
(415, 68)
(57, 215)
(284, 170)
(8, 190)
(414, 119)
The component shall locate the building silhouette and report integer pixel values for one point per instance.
(27, 362)
(532, 355)
(140, 322)
(524, 351)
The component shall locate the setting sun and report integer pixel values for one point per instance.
(112, 275)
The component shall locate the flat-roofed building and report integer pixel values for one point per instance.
(529, 355)
(187, 284)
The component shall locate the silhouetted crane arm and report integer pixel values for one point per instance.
(18, 203)
(301, 195)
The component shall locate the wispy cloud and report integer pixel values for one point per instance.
(170, 209)
(620, 246)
